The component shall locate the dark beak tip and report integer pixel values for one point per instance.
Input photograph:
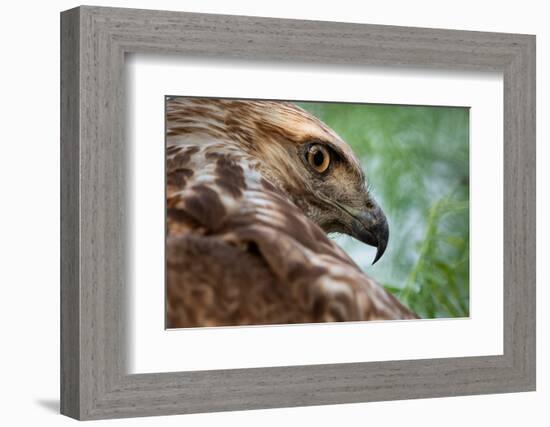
(371, 228)
(379, 241)
(380, 249)
(379, 254)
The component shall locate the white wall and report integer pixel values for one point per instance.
(29, 226)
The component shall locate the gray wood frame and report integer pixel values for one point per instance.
(94, 41)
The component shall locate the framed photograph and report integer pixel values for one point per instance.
(261, 213)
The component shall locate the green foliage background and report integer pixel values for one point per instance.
(417, 163)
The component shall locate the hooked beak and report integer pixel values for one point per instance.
(370, 226)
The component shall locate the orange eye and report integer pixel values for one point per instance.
(318, 157)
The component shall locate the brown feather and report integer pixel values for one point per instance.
(241, 250)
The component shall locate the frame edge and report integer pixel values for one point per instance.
(70, 403)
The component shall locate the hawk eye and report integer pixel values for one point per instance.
(318, 157)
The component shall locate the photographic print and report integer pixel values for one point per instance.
(286, 212)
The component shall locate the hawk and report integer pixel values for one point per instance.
(252, 189)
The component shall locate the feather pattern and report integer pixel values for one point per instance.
(244, 244)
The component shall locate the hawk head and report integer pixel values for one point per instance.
(296, 154)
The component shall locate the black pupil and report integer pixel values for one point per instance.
(318, 158)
